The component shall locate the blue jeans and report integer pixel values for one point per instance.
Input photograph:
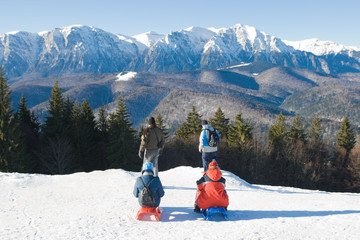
(207, 157)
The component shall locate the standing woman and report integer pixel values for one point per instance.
(152, 140)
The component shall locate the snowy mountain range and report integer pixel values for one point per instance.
(238, 69)
(84, 49)
(100, 205)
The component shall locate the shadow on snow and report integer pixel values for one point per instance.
(237, 215)
(180, 214)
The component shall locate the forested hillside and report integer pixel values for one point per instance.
(72, 138)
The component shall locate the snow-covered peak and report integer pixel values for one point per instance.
(245, 38)
(126, 38)
(251, 33)
(148, 38)
(190, 40)
(13, 32)
(319, 47)
(25, 44)
(67, 30)
(216, 30)
(201, 34)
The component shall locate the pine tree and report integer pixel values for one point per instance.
(193, 121)
(278, 131)
(54, 125)
(296, 131)
(102, 123)
(75, 113)
(160, 124)
(66, 118)
(220, 122)
(56, 101)
(27, 117)
(183, 132)
(191, 126)
(240, 133)
(86, 138)
(122, 150)
(316, 130)
(12, 151)
(30, 127)
(57, 153)
(103, 129)
(346, 137)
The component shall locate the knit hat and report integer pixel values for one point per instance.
(213, 164)
(147, 167)
(151, 121)
(204, 122)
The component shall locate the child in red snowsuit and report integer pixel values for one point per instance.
(211, 189)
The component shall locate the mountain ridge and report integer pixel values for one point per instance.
(87, 49)
(238, 69)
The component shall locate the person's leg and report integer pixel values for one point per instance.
(155, 161)
(145, 159)
(212, 156)
(205, 160)
(152, 156)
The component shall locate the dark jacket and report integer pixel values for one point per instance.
(150, 138)
(155, 187)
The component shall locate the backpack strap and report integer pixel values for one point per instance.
(147, 186)
(210, 132)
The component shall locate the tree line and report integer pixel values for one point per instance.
(292, 156)
(72, 139)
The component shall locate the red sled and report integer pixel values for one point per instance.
(149, 210)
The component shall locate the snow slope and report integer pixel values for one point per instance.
(100, 205)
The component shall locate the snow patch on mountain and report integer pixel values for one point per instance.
(125, 76)
(319, 47)
(235, 66)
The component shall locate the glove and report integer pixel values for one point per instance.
(141, 154)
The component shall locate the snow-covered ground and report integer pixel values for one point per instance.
(100, 205)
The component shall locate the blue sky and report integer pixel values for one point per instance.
(332, 20)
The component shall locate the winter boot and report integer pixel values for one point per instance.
(196, 208)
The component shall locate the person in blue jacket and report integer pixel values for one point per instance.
(155, 186)
(208, 153)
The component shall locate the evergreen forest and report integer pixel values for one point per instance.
(72, 139)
